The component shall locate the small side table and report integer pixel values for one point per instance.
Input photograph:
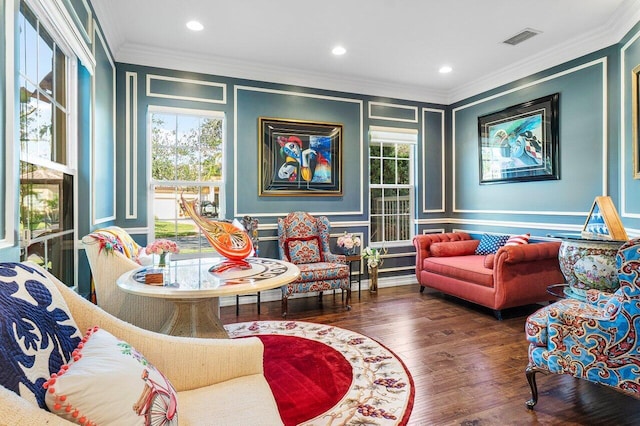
(351, 259)
(558, 290)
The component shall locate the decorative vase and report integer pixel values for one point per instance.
(161, 260)
(349, 252)
(589, 264)
(373, 279)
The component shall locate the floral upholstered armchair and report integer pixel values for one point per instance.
(596, 340)
(304, 240)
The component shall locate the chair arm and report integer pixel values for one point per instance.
(15, 410)
(189, 363)
(334, 258)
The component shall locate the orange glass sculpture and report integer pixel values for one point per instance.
(228, 240)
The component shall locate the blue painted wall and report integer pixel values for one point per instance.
(595, 147)
(243, 103)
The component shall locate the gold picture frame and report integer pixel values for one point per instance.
(635, 108)
(603, 222)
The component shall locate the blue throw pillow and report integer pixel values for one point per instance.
(489, 244)
(38, 334)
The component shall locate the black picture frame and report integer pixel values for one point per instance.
(520, 143)
(299, 158)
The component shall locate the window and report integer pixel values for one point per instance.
(391, 191)
(186, 160)
(47, 170)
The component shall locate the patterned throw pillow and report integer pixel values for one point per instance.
(304, 250)
(38, 335)
(489, 244)
(518, 240)
(109, 382)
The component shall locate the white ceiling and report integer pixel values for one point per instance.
(394, 47)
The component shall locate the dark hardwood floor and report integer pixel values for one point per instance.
(468, 367)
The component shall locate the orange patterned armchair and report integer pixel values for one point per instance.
(595, 340)
(304, 240)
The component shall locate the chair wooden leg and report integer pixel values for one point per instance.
(348, 302)
(530, 372)
(421, 289)
(237, 304)
(284, 306)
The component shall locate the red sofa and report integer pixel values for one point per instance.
(513, 276)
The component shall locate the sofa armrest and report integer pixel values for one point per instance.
(528, 252)
(521, 274)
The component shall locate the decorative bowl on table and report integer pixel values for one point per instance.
(589, 264)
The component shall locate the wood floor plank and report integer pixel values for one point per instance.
(468, 367)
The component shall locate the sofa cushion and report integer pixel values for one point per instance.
(38, 333)
(108, 382)
(304, 250)
(518, 240)
(219, 404)
(490, 243)
(453, 248)
(322, 271)
(489, 261)
(466, 268)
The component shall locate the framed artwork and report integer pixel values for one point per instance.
(603, 222)
(299, 158)
(635, 108)
(520, 143)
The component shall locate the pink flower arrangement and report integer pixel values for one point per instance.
(348, 241)
(162, 246)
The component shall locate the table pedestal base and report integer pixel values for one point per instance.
(195, 318)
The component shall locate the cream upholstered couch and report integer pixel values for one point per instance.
(218, 381)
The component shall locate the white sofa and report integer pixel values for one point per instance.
(218, 381)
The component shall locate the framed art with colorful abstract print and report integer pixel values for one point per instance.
(520, 143)
(299, 158)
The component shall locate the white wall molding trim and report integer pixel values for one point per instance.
(396, 106)
(95, 191)
(442, 161)
(222, 86)
(358, 102)
(624, 101)
(131, 145)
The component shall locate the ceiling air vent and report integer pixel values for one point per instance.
(523, 35)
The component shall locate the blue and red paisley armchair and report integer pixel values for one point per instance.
(596, 340)
(304, 241)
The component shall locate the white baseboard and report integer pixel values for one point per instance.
(275, 294)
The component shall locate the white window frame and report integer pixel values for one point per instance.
(55, 19)
(398, 136)
(221, 184)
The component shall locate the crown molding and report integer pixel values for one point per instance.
(111, 27)
(611, 33)
(157, 57)
(605, 36)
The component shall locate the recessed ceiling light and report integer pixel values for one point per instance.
(195, 26)
(339, 50)
(445, 69)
